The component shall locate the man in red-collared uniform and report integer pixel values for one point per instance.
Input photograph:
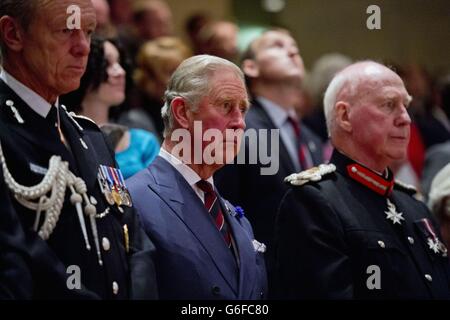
(347, 230)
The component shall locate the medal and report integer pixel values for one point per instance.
(117, 192)
(392, 213)
(125, 193)
(433, 242)
(105, 186)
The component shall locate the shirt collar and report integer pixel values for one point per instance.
(31, 98)
(276, 113)
(188, 174)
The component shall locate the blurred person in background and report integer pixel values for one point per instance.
(151, 19)
(192, 27)
(439, 201)
(321, 74)
(104, 26)
(101, 88)
(438, 155)
(155, 63)
(219, 38)
(274, 72)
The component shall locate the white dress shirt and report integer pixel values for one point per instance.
(188, 174)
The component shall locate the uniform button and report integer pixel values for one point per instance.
(261, 294)
(411, 240)
(428, 277)
(216, 290)
(106, 244)
(115, 287)
(381, 244)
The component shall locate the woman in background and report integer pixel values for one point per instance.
(156, 61)
(101, 88)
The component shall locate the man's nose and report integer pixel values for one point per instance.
(238, 119)
(403, 118)
(82, 43)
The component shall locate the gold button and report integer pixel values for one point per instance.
(106, 244)
(115, 287)
(428, 277)
(381, 244)
(411, 240)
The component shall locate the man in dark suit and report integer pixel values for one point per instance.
(206, 248)
(348, 230)
(274, 71)
(82, 238)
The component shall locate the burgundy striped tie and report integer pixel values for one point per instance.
(301, 147)
(212, 205)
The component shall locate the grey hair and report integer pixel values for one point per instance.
(347, 79)
(21, 10)
(191, 81)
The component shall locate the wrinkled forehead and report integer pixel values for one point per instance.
(51, 9)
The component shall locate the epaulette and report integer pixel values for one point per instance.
(314, 174)
(73, 115)
(409, 189)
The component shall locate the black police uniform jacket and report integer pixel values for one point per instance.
(29, 145)
(334, 241)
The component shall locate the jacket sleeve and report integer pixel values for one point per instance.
(141, 261)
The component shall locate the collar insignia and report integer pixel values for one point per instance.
(370, 179)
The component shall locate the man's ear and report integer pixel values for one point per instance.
(11, 33)
(343, 116)
(179, 111)
(250, 68)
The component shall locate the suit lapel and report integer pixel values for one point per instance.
(266, 123)
(244, 249)
(184, 202)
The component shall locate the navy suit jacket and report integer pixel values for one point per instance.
(193, 261)
(260, 195)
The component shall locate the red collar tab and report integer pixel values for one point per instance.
(371, 179)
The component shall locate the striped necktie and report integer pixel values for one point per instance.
(212, 205)
(302, 149)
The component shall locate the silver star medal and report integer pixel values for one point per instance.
(437, 246)
(434, 245)
(392, 214)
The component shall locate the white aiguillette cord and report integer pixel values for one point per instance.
(57, 179)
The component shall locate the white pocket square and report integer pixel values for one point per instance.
(258, 246)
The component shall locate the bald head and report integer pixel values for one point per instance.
(366, 112)
(352, 83)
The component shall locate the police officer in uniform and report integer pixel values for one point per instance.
(82, 238)
(347, 229)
